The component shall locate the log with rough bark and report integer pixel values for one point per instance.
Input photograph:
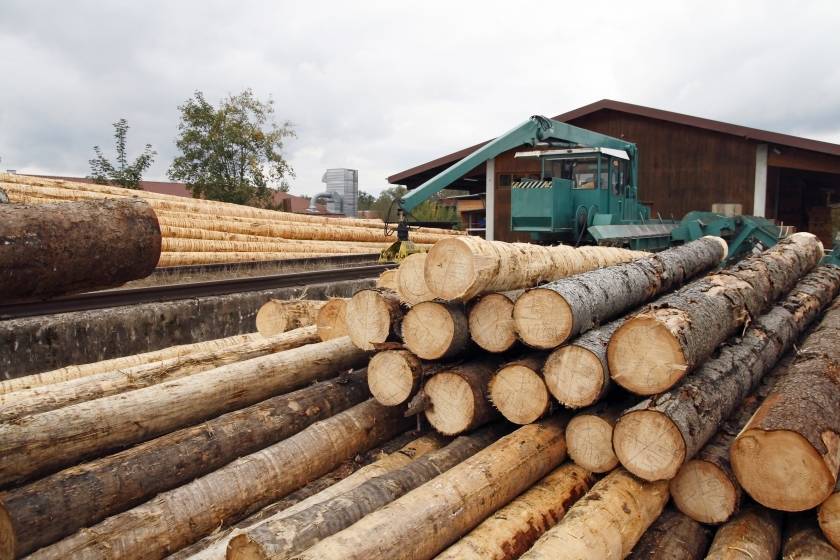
(457, 396)
(278, 316)
(394, 376)
(803, 540)
(332, 319)
(463, 267)
(511, 531)
(829, 517)
(411, 284)
(518, 391)
(285, 537)
(673, 536)
(606, 523)
(788, 455)
(491, 321)
(436, 330)
(655, 438)
(52, 249)
(388, 280)
(577, 374)
(373, 316)
(453, 503)
(674, 335)
(38, 444)
(551, 314)
(57, 395)
(181, 516)
(589, 436)
(753, 534)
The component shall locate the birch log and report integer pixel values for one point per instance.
(332, 319)
(673, 536)
(589, 436)
(753, 534)
(491, 322)
(457, 396)
(394, 376)
(373, 316)
(436, 330)
(518, 391)
(278, 316)
(411, 284)
(829, 517)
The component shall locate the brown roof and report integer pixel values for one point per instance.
(669, 116)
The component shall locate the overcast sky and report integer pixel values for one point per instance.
(383, 86)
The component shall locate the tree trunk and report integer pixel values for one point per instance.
(491, 321)
(181, 516)
(551, 314)
(657, 347)
(464, 267)
(654, 438)
(803, 540)
(36, 445)
(511, 531)
(673, 536)
(285, 537)
(332, 319)
(53, 249)
(788, 455)
(518, 391)
(577, 374)
(388, 280)
(57, 395)
(394, 376)
(829, 517)
(457, 396)
(411, 284)
(196, 259)
(589, 436)
(278, 316)
(606, 523)
(436, 331)
(453, 503)
(373, 316)
(753, 534)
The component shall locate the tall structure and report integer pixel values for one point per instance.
(342, 192)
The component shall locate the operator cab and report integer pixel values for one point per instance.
(586, 168)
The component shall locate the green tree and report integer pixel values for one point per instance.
(123, 173)
(365, 201)
(231, 153)
(431, 210)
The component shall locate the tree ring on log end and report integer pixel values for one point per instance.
(649, 445)
(411, 283)
(428, 330)
(589, 439)
(543, 318)
(491, 323)
(452, 403)
(704, 492)
(331, 320)
(368, 319)
(391, 378)
(829, 519)
(575, 376)
(644, 356)
(519, 393)
(450, 269)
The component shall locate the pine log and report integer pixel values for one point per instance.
(453, 503)
(44, 442)
(511, 531)
(829, 517)
(388, 280)
(177, 245)
(606, 523)
(50, 397)
(553, 313)
(803, 540)
(589, 436)
(436, 330)
(332, 319)
(195, 258)
(457, 395)
(52, 249)
(181, 516)
(788, 455)
(674, 335)
(285, 537)
(373, 316)
(654, 438)
(518, 391)
(411, 284)
(577, 374)
(673, 536)
(394, 376)
(278, 316)
(753, 534)
(491, 321)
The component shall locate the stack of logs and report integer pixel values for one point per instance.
(572, 394)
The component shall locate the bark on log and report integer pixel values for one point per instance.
(673, 536)
(278, 316)
(454, 502)
(511, 531)
(464, 267)
(411, 283)
(55, 506)
(578, 374)
(457, 395)
(491, 321)
(192, 259)
(332, 319)
(394, 376)
(57, 395)
(657, 347)
(654, 438)
(551, 314)
(181, 516)
(788, 455)
(52, 249)
(373, 316)
(283, 538)
(829, 517)
(803, 540)
(606, 523)
(589, 436)
(753, 534)
(518, 391)
(436, 331)
(44, 442)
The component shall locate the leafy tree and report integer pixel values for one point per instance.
(123, 174)
(231, 153)
(365, 201)
(430, 210)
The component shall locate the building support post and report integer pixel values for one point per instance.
(490, 200)
(760, 192)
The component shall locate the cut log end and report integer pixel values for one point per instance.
(575, 376)
(430, 330)
(369, 318)
(645, 357)
(450, 269)
(7, 535)
(393, 376)
(589, 439)
(519, 393)
(781, 470)
(704, 492)
(649, 445)
(453, 408)
(722, 243)
(411, 282)
(331, 320)
(242, 547)
(543, 318)
(829, 519)
(491, 323)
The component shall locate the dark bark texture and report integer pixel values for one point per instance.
(673, 536)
